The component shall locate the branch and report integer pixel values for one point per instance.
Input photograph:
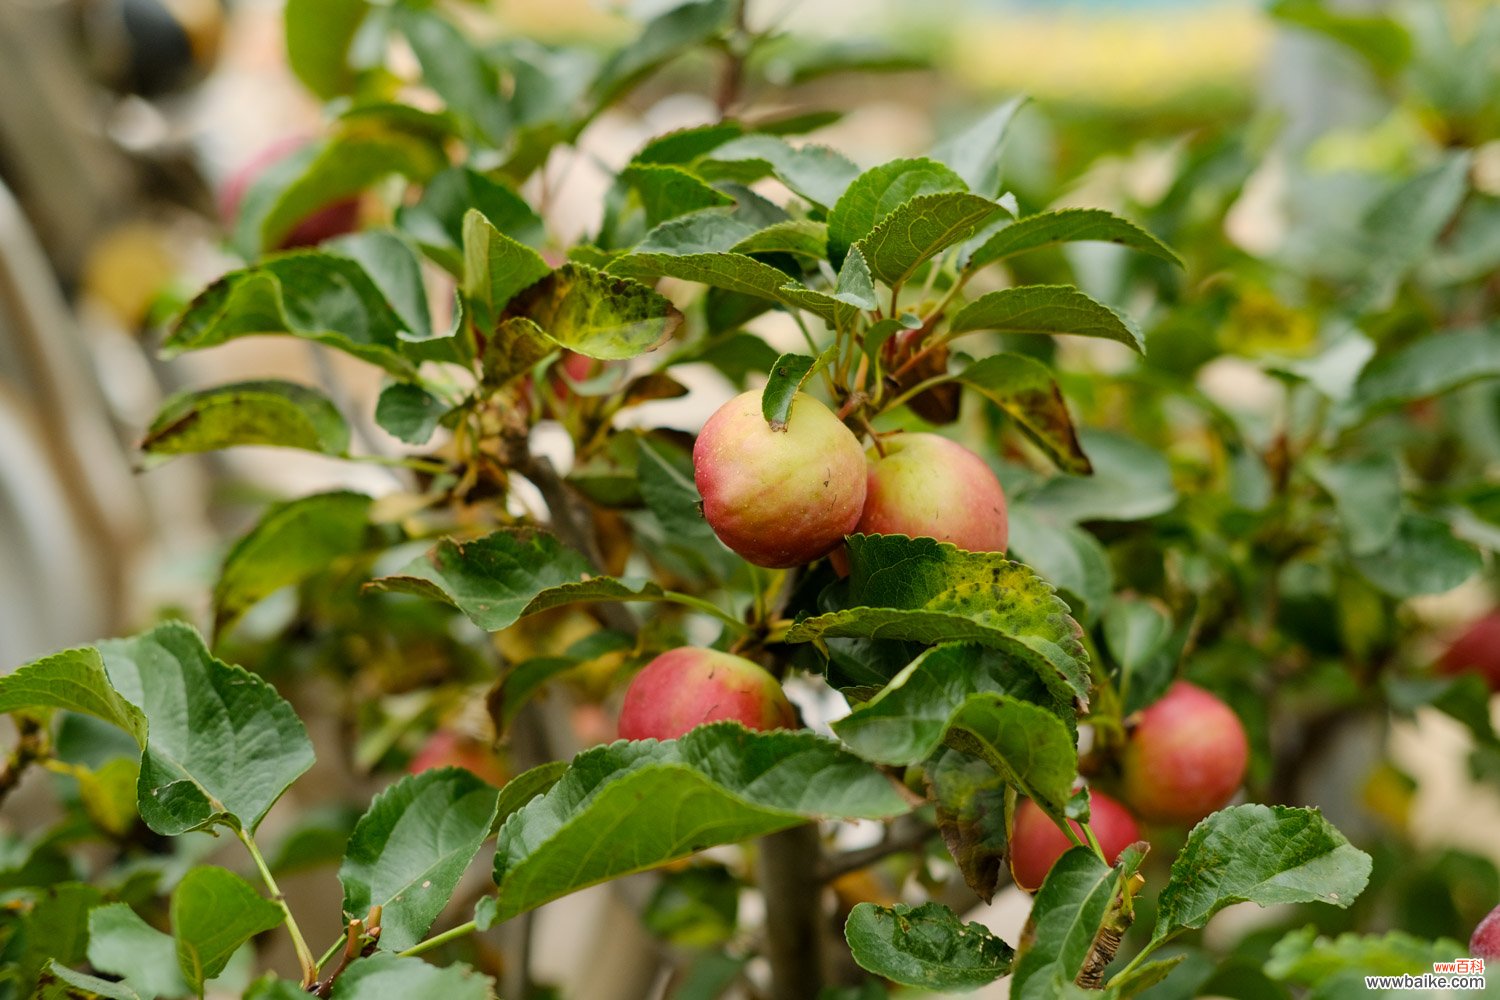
(790, 862)
(900, 838)
(29, 749)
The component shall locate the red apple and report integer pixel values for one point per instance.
(1485, 943)
(779, 497)
(928, 486)
(1185, 758)
(337, 218)
(446, 748)
(686, 687)
(1477, 651)
(1036, 842)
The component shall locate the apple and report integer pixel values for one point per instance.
(1036, 842)
(1485, 942)
(337, 218)
(783, 497)
(684, 688)
(446, 748)
(1185, 758)
(927, 485)
(1477, 651)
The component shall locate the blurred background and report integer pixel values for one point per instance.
(1250, 136)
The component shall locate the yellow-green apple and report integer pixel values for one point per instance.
(1036, 842)
(1185, 758)
(779, 497)
(928, 486)
(687, 687)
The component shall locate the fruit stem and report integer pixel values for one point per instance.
(299, 943)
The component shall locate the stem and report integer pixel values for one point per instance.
(299, 943)
(733, 78)
(403, 462)
(452, 934)
(915, 390)
(333, 949)
(707, 607)
(789, 866)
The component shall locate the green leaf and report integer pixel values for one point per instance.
(926, 947)
(1068, 225)
(1131, 482)
(703, 232)
(1382, 41)
(1399, 231)
(436, 221)
(627, 807)
(384, 976)
(802, 238)
(816, 173)
(787, 377)
(597, 314)
(1423, 558)
(685, 145)
(455, 70)
(1367, 494)
(108, 794)
(1135, 631)
(318, 36)
(291, 542)
(1066, 556)
(513, 349)
(1306, 958)
(1065, 918)
(854, 285)
(392, 264)
(526, 786)
(663, 38)
(55, 929)
(922, 590)
(1263, 855)
(409, 412)
(316, 296)
(974, 154)
(409, 850)
(496, 266)
(1429, 367)
(58, 982)
(222, 744)
(73, 680)
(878, 192)
(969, 804)
(667, 191)
(124, 945)
(267, 412)
(1028, 745)
(1025, 390)
(214, 911)
(1052, 309)
(921, 228)
(503, 577)
(907, 721)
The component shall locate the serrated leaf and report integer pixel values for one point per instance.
(1263, 855)
(667, 192)
(926, 947)
(384, 976)
(291, 542)
(267, 412)
(124, 945)
(318, 36)
(878, 192)
(922, 590)
(1050, 309)
(73, 680)
(974, 154)
(214, 911)
(1307, 958)
(58, 982)
(1029, 745)
(854, 285)
(411, 847)
(705, 232)
(503, 577)
(733, 272)
(1066, 556)
(1025, 389)
(817, 173)
(627, 807)
(317, 296)
(907, 721)
(1366, 492)
(221, 745)
(921, 228)
(436, 221)
(409, 412)
(1130, 482)
(598, 314)
(1424, 557)
(802, 238)
(1429, 367)
(1068, 225)
(496, 267)
(1066, 916)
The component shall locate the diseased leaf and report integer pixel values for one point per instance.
(275, 413)
(927, 947)
(921, 228)
(1052, 309)
(969, 804)
(73, 680)
(291, 542)
(222, 745)
(1263, 855)
(667, 192)
(627, 807)
(1068, 225)
(1025, 389)
(214, 911)
(411, 847)
(878, 192)
(922, 590)
(1027, 744)
(597, 314)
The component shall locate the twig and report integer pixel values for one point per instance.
(900, 838)
(353, 949)
(29, 749)
(732, 81)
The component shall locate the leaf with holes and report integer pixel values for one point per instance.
(926, 947)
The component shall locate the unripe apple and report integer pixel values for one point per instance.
(927, 485)
(1185, 758)
(1036, 842)
(686, 687)
(446, 748)
(1485, 942)
(337, 218)
(1477, 651)
(779, 497)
